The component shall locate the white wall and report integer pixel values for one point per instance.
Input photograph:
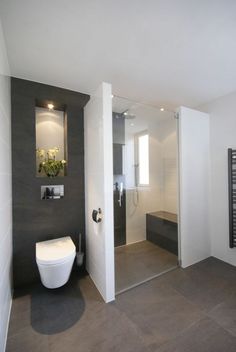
(222, 136)
(193, 186)
(99, 190)
(169, 166)
(5, 194)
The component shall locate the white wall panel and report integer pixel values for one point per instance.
(99, 190)
(5, 195)
(194, 185)
(222, 136)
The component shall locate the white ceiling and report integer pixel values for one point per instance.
(162, 52)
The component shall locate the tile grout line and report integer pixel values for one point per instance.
(217, 322)
(145, 281)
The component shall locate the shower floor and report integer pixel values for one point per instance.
(138, 262)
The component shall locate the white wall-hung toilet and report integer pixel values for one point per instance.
(55, 260)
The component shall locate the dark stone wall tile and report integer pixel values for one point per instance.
(35, 220)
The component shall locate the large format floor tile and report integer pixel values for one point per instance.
(225, 315)
(204, 336)
(137, 262)
(191, 310)
(205, 288)
(159, 311)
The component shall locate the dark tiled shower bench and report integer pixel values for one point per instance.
(162, 229)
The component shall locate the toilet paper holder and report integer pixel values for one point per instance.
(97, 215)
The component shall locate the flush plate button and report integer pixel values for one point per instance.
(52, 192)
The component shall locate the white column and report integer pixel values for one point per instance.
(194, 232)
(99, 190)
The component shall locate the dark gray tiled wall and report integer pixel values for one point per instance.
(118, 131)
(33, 219)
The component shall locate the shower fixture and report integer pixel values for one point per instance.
(128, 115)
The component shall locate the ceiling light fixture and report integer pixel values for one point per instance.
(50, 106)
(162, 109)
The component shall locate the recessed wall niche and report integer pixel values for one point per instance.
(51, 146)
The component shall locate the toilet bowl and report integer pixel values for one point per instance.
(55, 259)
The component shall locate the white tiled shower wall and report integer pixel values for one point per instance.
(5, 194)
(161, 194)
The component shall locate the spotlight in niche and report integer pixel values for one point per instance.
(50, 106)
(162, 109)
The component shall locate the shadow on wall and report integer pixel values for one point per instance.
(54, 311)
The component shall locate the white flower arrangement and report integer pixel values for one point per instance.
(48, 162)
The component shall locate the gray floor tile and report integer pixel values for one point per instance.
(47, 311)
(20, 315)
(102, 330)
(137, 262)
(225, 315)
(160, 312)
(204, 336)
(215, 268)
(27, 340)
(200, 286)
(185, 310)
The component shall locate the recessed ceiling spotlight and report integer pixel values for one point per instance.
(50, 106)
(162, 109)
(125, 113)
(112, 96)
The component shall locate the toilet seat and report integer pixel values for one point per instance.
(55, 262)
(57, 251)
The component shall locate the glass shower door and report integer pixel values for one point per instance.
(145, 192)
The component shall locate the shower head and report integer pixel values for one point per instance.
(128, 115)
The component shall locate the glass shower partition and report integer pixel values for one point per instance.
(145, 192)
